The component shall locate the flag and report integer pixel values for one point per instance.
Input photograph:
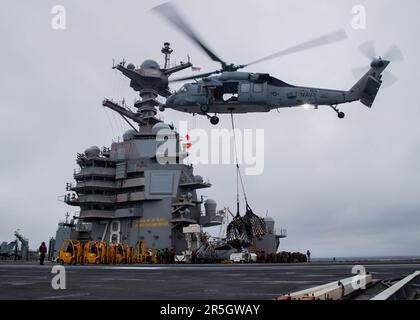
(195, 69)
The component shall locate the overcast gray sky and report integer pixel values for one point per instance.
(341, 188)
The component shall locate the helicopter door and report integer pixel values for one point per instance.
(226, 93)
(245, 92)
(230, 92)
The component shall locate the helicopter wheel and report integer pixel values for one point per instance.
(204, 108)
(214, 120)
(161, 108)
(341, 115)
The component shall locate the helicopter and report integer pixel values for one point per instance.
(228, 91)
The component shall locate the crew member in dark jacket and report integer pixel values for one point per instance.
(42, 252)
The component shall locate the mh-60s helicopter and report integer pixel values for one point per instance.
(230, 91)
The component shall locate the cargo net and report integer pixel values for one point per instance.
(236, 231)
(241, 230)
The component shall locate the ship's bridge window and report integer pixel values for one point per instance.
(245, 87)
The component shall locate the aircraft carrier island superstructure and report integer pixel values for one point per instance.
(126, 195)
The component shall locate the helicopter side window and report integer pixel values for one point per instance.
(258, 87)
(245, 87)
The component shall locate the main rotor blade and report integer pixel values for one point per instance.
(169, 12)
(198, 76)
(368, 50)
(394, 54)
(322, 41)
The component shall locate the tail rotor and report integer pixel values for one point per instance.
(368, 49)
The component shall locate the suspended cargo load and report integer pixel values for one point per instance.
(242, 230)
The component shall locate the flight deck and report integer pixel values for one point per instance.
(185, 282)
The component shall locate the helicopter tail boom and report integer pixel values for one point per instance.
(366, 89)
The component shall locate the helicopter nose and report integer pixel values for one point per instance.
(170, 100)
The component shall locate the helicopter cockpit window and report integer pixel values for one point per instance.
(183, 88)
(245, 87)
(258, 87)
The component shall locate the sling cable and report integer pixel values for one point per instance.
(242, 230)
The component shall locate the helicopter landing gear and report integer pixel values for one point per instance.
(161, 108)
(214, 120)
(341, 115)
